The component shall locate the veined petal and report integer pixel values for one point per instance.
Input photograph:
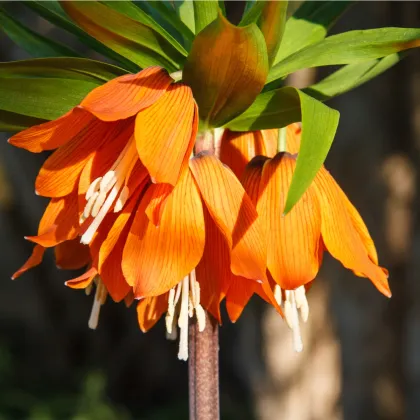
(59, 174)
(34, 260)
(155, 208)
(270, 139)
(237, 149)
(165, 134)
(83, 280)
(342, 239)
(127, 95)
(239, 293)
(71, 255)
(59, 222)
(233, 213)
(292, 240)
(293, 136)
(150, 310)
(52, 134)
(155, 259)
(213, 272)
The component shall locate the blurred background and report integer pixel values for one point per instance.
(362, 352)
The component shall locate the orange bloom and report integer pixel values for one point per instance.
(133, 130)
(323, 219)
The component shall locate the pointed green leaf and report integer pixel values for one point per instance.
(167, 17)
(65, 68)
(46, 98)
(185, 10)
(319, 124)
(349, 47)
(52, 12)
(9, 121)
(273, 109)
(309, 24)
(33, 43)
(352, 76)
(205, 12)
(226, 69)
(276, 109)
(130, 38)
(129, 9)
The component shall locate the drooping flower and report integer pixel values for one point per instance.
(324, 219)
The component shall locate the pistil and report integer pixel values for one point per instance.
(99, 299)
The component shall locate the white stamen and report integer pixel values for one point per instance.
(292, 318)
(108, 181)
(187, 293)
(90, 204)
(99, 202)
(277, 294)
(93, 188)
(98, 301)
(183, 321)
(122, 199)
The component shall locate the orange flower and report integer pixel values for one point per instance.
(133, 130)
(207, 232)
(323, 219)
(238, 148)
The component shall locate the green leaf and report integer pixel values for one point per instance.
(64, 68)
(273, 109)
(226, 69)
(46, 98)
(185, 11)
(128, 37)
(132, 11)
(319, 124)
(352, 76)
(52, 12)
(309, 24)
(166, 16)
(276, 109)
(9, 121)
(205, 12)
(33, 43)
(349, 47)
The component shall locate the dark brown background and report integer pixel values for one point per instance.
(362, 355)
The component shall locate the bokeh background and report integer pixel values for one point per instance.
(362, 352)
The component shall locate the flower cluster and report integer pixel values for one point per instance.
(180, 231)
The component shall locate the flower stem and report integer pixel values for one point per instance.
(203, 367)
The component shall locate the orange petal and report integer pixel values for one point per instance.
(71, 255)
(271, 139)
(165, 134)
(292, 240)
(342, 239)
(238, 295)
(233, 213)
(155, 208)
(237, 149)
(59, 174)
(34, 260)
(155, 259)
(82, 281)
(59, 222)
(293, 135)
(111, 272)
(112, 230)
(52, 134)
(127, 95)
(213, 272)
(149, 311)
